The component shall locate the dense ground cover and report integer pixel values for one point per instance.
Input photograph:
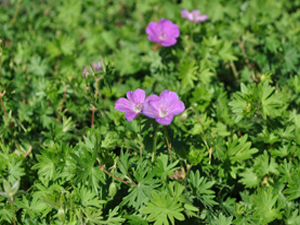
(69, 154)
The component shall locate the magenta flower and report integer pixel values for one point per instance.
(164, 32)
(134, 105)
(193, 16)
(85, 72)
(164, 107)
(97, 66)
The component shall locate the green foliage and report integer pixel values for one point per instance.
(264, 206)
(67, 156)
(141, 192)
(162, 209)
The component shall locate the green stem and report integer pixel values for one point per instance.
(191, 38)
(234, 71)
(186, 192)
(141, 139)
(168, 145)
(154, 144)
(13, 209)
(203, 132)
(16, 13)
(115, 177)
(0, 61)
(3, 107)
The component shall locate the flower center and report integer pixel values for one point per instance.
(162, 112)
(162, 35)
(138, 107)
(194, 16)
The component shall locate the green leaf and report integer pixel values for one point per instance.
(293, 187)
(141, 192)
(239, 149)
(127, 62)
(114, 217)
(265, 165)
(270, 101)
(249, 178)
(225, 52)
(163, 169)
(187, 71)
(6, 187)
(37, 66)
(67, 45)
(47, 165)
(89, 198)
(133, 220)
(93, 216)
(162, 209)
(223, 220)
(201, 188)
(291, 56)
(264, 206)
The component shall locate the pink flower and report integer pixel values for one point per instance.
(193, 16)
(97, 66)
(85, 72)
(134, 104)
(164, 107)
(164, 32)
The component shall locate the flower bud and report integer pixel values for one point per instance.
(112, 189)
(184, 116)
(85, 73)
(61, 215)
(87, 89)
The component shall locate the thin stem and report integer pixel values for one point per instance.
(154, 144)
(71, 207)
(96, 88)
(241, 44)
(62, 103)
(3, 107)
(6, 117)
(13, 209)
(119, 179)
(203, 132)
(191, 38)
(18, 147)
(186, 192)
(141, 140)
(16, 13)
(71, 204)
(64, 97)
(0, 60)
(93, 109)
(93, 113)
(169, 145)
(234, 70)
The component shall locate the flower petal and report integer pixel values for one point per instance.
(171, 29)
(201, 18)
(130, 115)
(176, 108)
(168, 98)
(136, 96)
(169, 42)
(165, 120)
(123, 105)
(153, 30)
(185, 13)
(151, 109)
(152, 97)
